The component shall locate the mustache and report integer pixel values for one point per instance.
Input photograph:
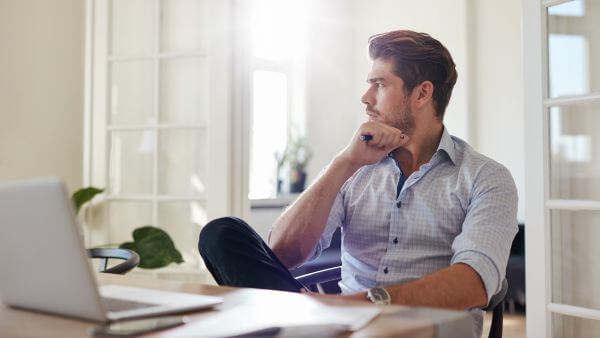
(370, 110)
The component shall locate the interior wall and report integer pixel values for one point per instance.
(497, 94)
(332, 106)
(41, 89)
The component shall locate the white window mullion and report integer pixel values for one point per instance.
(88, 93)
(106, 113)
(537, 231)
(564, 101)
(150, 198)
(156, 110)
(578, 205)
(548, 3)
(159, 126)
(575, 311)
(166, 55)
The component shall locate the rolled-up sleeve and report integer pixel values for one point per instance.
(489, 227)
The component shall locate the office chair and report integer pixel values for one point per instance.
(131, 259)
(496, 304)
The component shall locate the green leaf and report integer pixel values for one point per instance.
(84, 195)
(155, 247)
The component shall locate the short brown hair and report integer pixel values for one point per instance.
(418, 57)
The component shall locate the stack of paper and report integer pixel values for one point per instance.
(247, 320)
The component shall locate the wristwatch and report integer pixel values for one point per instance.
(379, 296)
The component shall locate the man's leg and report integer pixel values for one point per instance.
(236, 256)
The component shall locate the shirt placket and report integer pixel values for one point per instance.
(397, 223)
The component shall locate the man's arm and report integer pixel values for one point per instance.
(455, 287)
(296, 232)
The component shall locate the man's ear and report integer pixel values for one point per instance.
(423, 93)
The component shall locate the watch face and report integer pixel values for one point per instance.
(379, 296)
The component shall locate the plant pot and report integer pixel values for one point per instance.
(297, 181)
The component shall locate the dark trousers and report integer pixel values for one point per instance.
(236, 256)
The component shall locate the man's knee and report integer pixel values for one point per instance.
(216, 233)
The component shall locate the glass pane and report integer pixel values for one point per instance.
(183, 90)
(269, 131)
(131, 92)
(573, 327)
(131, 162)
(575, 152)
(575, 253)
(183, 221)
(126, 216)
(572, 44)
(183, 25)
(182, 162)
(132, 27)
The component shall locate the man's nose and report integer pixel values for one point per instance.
(367, 98)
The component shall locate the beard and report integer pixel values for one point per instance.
(403, 120)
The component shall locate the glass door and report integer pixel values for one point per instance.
(569, 222)
(159, 100)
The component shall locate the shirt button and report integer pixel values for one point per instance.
(396, 240)
(398, 204)
(385, 270)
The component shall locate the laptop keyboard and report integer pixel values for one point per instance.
(115, 304)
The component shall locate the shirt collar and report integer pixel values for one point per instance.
(447, 145)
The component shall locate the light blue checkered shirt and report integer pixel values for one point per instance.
(461, 207)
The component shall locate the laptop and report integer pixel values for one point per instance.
(45, 266)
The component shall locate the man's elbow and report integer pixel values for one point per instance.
(289, 255)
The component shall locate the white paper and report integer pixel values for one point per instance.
(304, 321)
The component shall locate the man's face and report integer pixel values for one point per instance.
(386, 100)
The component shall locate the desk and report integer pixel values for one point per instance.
(21, 323)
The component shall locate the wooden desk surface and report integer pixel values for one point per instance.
(21, 323)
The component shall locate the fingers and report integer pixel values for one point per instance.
(381, 136)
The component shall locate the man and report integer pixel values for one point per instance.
(425, 219)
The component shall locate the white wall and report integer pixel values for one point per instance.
(497, 94)
(41, 89)
(332, 106)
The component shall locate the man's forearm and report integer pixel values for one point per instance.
(297, 231)
(456, 287)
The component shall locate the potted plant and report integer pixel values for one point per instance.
(297, 155)
(154, 246)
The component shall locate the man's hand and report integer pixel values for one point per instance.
(384, 139)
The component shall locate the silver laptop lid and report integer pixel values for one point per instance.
(43, 262)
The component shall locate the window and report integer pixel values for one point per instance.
(277, 41)
(158, 86)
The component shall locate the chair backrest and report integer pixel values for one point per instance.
(130, 259)
(496, 304)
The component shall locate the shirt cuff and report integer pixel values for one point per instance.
(484, 266)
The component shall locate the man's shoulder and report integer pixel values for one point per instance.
(481, 171)
(469, 158)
